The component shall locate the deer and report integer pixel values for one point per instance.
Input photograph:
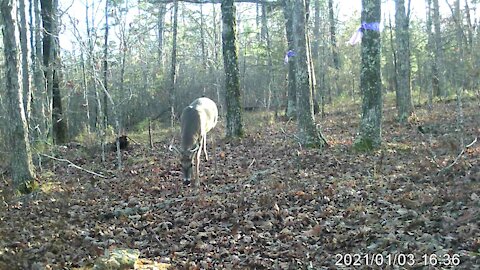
(197, 120)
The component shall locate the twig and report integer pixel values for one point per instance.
(150, 133)
(74, 165)
(472, 143)
(133, 140)
(458, 157)
(319, 131)
(251, 163)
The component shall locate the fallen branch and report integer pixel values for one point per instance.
(74, 165)
(458, 157)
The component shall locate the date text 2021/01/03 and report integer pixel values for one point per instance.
(399, 259)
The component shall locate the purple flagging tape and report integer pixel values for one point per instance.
(357, 36)
(289, 54)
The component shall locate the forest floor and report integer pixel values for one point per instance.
(265, 203)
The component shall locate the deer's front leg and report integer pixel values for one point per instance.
(197, 166)
(205, 146)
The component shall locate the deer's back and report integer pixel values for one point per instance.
(207, 112)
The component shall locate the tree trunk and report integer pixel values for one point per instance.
(232, 81)
(291, 110)
(173, 67)
(27, 90)
(51, 62)
(39, 96)
(307, 131)
(268, 45)
(85, 93)
(22, 170)
(204, 51)
(59, 122)
(403, 89)
(316, 55)
(333, 44)
(214, 67)
(438, 53)
(370, 133)
(162, 10)
(460, 76)
(316, 38)
(394, 60)
(433, 83)
(96, 122)
(105, 68)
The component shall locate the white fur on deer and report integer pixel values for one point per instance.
(197, 120)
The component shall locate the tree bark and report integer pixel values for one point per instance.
(317, 54)
(39, 118)
(370, 133)
(433, 82)
(307, 131)
(204, 50)
(27, 90)
(403, 89)
(460, 76)
(105, 68)
(232, 81)
(51, 62)
(333, 44)
(268, 45)
(291, 110)
(162, 10)
(214, 66)
(173, 67)
(394, 56)
(22, 170)
(85, 92)
(438, 53)
(98, 120)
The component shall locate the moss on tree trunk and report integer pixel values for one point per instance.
(370, 133)
(308, 133)
(232, 81)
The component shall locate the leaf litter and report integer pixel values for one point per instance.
(269, 205)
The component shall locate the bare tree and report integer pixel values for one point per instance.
(105, 66)
(291, 110)
(39, 96)
(23, 29)
(334, 47)
(22, 170)
(173, 67)
(51, 62)
(268, 45)
(162, 10)
(403, 88)
(439, 83)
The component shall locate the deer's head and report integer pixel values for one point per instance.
(186, 161)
